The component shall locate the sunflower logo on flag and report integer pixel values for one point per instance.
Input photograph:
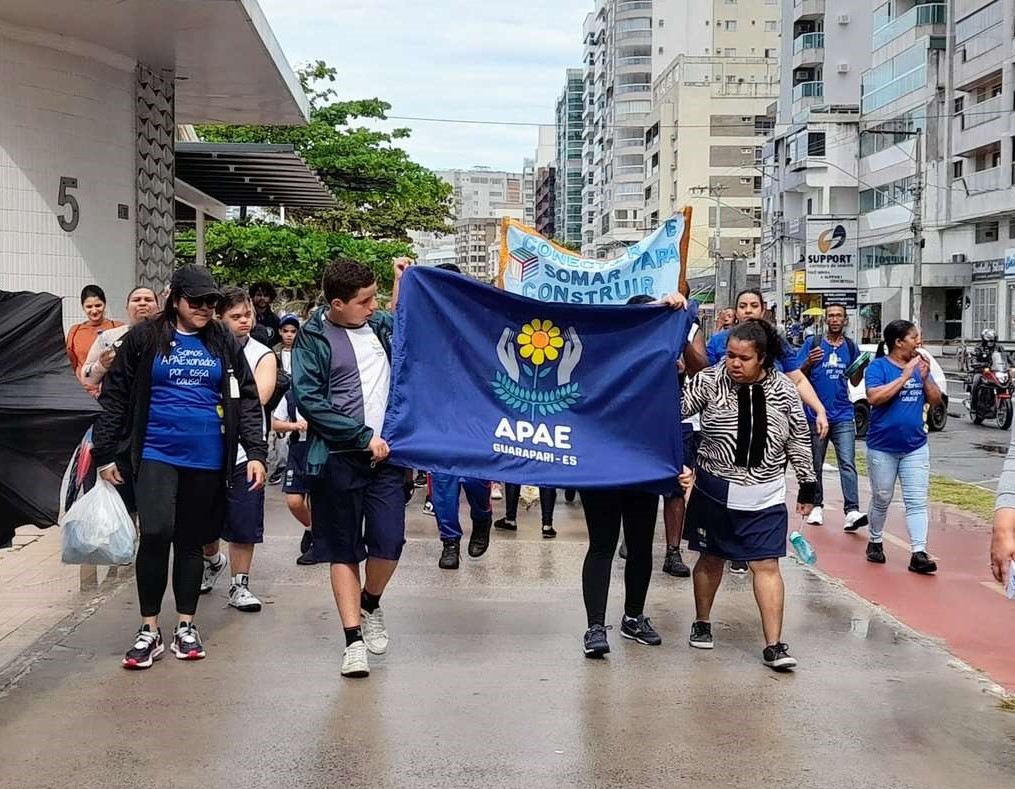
(529, 357)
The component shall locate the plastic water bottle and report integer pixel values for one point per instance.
(804, 550)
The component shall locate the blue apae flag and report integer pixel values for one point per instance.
(491, 385)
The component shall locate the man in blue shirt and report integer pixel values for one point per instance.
(825, 360)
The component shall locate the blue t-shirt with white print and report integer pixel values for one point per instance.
(898, 426)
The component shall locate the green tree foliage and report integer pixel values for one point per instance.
(381, 192)
(291, 257)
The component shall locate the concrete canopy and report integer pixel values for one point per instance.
(229, 67)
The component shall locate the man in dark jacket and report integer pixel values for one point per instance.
(341, 377)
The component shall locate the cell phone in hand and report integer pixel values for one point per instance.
(1009, 590)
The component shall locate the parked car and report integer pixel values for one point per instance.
(937, 417)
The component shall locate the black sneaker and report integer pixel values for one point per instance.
(640, 629)
(479, 541)
(569, 495)
(451, 555)
(596, 644)
(148, 648)
(307, 558)
(276, 477)
(739, 568)
(505, 525)
(875, 553)
(187, 643)
(777, 657)
(306, 541)
(420, 481)
(549, 532)
(921, 563)
(701, 635)
(674, 565)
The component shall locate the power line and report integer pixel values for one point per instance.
(489, 122)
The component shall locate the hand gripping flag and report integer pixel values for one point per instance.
(495, 386)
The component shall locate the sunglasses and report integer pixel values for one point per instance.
(197, 302)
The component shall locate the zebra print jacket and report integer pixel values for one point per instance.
(750, 432)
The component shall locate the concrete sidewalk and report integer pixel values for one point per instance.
(485, 685)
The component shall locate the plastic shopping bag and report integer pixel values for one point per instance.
(97, 529)
(80, 475)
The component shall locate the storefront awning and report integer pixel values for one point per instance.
(242, 174)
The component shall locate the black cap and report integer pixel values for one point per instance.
(194, 281)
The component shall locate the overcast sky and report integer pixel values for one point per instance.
(444, 58)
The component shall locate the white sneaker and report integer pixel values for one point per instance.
(242, 599)
(816, 518)
(855, 520)
(213, 568)
(496, 491)
(354, 661)
(374, 633)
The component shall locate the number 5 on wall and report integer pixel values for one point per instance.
(68, 224)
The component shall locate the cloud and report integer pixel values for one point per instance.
(444, 59)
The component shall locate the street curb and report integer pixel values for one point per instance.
(22, 665)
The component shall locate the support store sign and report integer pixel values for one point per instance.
(832, 255)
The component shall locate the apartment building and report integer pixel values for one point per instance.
(546, 150)
(809, 181)
(629, 46)
(546, 201)
(703, 149)
(568, 159)
(938, 100)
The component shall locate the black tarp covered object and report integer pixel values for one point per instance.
(44, 411)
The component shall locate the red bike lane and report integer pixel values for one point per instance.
(961, 604)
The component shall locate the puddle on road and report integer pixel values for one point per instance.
(997, 449)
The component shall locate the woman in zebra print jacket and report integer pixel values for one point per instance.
(752, 426)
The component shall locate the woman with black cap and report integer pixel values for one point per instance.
(181, 397)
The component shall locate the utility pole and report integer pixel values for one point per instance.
(917, 224)
(918, 232)
(780, 276)
(715, 191)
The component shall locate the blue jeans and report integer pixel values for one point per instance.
(912, 470)
(445, 493)
(843, 437)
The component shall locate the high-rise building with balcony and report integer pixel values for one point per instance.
(809, 169)
(568, 159)
(546, 201)
(938, 101)
(617, 100)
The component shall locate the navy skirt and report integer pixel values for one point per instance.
(742, 535)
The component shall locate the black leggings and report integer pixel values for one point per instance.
(177, 507)
(605, 510)
(547, 501)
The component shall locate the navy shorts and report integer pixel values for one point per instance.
(244, 511)
(357, 511)
(691, 440)
(295, 480)
(738, 535)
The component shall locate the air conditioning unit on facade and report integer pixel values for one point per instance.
(842, 68)
(842, 19)
(958, 258)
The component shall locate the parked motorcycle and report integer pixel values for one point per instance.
(990, 393)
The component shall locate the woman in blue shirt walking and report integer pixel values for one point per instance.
(899, 389)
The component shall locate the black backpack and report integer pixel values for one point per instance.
(854, 352)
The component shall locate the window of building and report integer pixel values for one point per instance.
(987, 232)
(660, 23)
(957, 169)
(984, 308)
(1011, 228)
(731, 26)
(731, 52)
(897, 253)
(660, 50)
(746, 181)
(810, 206)
(771, 26)
(771, 52)
(816, 144)
(730, 2)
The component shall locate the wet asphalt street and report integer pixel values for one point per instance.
(485, 686)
